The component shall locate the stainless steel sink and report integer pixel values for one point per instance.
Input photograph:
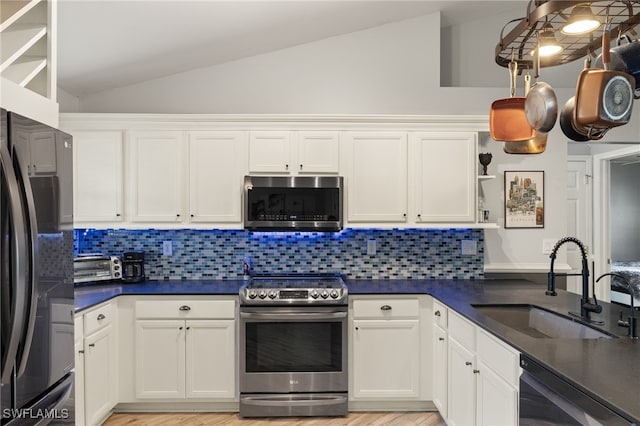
(539, 323)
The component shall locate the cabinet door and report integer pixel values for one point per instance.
(270, 152)
(445, 177)
(318, 152)
(386, 359)
(376, 177)
(79, 383)
(440, 370)
(157, 176)
(100, 374)
(97, 180)
(497, 401)
(217, 164)
(210, 364)
(462, 386)
(160, 359)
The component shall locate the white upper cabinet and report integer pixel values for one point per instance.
(97, 183)
(217, 165)
(270, 152)
(290, 152)
(376, 176)
(318, 152)
(443, 175)
(156, 170)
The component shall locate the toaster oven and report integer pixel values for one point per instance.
(96, 267)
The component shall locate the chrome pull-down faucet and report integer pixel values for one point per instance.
(631, 320)
(586, 307)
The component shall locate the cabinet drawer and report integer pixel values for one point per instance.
(187, 309)
(501, 358)
(386, 309)
(98, 318)
(440, 314)
(462, 330)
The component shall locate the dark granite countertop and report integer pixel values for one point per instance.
(606, 369)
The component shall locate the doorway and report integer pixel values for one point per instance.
(616, 230)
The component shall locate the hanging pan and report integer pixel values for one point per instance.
(604, 98)
(541, 104)
(507, 120)
(535, 145)
(625, 57)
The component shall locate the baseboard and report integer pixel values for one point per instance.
(392, 406)
(176, 406)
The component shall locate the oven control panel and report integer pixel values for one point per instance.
(262, 292)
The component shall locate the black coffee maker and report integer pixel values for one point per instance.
(133, 267)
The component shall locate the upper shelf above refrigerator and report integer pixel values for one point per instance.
(520, 36)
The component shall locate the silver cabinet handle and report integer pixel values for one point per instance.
(101, 317)
(185, 308)
(438, 314)
(385, 308)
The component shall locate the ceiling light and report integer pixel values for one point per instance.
(581, 21)
(547, 41)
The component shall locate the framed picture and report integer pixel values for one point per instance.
(523, 199)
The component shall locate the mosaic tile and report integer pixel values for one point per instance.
(218, 254)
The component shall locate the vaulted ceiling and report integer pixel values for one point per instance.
(104, 44)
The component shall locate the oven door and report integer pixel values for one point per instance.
(293, 349)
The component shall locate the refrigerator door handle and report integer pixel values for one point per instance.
(18, 266)
(32, 263)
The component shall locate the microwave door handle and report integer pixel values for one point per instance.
(17, 265)
(31, 303)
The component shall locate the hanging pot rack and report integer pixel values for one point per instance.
(521, 40)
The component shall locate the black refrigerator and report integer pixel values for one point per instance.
(36, 273)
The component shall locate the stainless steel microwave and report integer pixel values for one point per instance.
(293, 203)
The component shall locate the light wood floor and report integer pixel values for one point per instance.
(227, 419)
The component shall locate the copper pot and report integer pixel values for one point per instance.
(604, 98)
(535, 145)
(507, 119)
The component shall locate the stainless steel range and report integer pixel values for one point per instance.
(293, 346)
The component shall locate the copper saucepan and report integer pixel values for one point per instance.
(507, 120)
(604, 98)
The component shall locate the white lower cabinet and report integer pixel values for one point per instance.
(462, 385)
(387, 354)
(440, 363)
(482, 374)
(178, 357)
(96, 366)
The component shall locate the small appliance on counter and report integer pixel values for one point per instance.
(96, 267)
(133, 267)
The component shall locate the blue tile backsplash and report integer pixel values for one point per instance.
(218, 254)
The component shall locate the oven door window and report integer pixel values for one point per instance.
(280, 347)
(278, 204)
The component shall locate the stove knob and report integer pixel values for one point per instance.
(334, 294)
(314, 294)
(324, 294)
(272, 294)
(262, 294)
(252, 294)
